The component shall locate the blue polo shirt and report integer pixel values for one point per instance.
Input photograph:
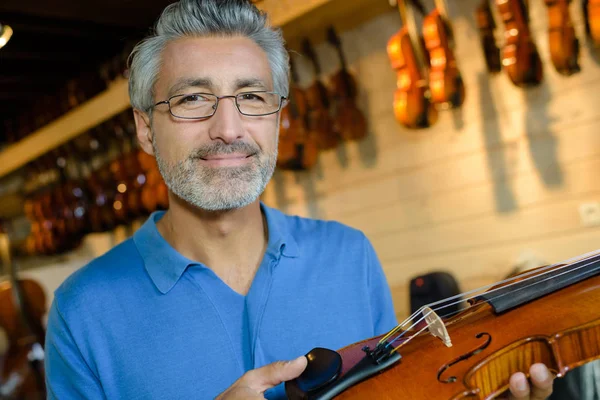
(145, 322)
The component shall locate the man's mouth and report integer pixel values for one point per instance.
(234, 156)
(226, 160)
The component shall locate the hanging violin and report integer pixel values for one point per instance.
(22, 306)
(445, 80)
(520, 57)
(487, 26)
(591, 10)
(563, 43)
(298, 143)
(317, 97)
(547, 315)
(349, 121)
(412, 100)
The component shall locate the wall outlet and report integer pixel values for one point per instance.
(590, 214)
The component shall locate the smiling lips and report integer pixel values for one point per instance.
(226, 159)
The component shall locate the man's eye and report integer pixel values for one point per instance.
(193, 98)
(251, 97)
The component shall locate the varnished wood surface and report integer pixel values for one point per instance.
(561, 330)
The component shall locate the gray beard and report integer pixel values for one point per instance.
(218, 188)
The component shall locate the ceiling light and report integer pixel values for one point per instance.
(5, 34)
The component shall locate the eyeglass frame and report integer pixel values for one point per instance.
(282, 100)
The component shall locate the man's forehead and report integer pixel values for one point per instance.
(221, 63)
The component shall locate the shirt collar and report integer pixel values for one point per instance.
(165, 265)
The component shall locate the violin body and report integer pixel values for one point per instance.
(520, 57)
(349, 121)
(412, 105)
(564, 45)
(486, 25)
(27, 375)
(319, 120)
(445, 82)
(318, 104)
(549, 315)
(593, 20)
(286, 145)
(299, 143)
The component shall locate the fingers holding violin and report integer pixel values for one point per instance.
(538, 388)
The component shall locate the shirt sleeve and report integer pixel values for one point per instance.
(382, 306)
(67, 374)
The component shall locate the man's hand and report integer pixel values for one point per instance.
(254, 383)
(541, 380)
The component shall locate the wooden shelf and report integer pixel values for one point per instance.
(90, 114)
(298, 19)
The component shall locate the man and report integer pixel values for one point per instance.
(206, 298)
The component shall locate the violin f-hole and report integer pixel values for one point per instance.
(463, 357)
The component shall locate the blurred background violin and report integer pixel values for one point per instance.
(520, 57)
(591, 12)
(487, 26)
(445, 80)
(317, 98)
(349, 121)
(298, 144)
(22, 307)
(412, 100)
(563, 43)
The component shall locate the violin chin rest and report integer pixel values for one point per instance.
(323, 367)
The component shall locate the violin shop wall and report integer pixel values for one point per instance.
(496, 183)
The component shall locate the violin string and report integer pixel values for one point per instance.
(485, 302)
(545, 269)
(461, 297)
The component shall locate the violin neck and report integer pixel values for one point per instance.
(408, 18)
(308, 49)
(442, 7)
(549, 281)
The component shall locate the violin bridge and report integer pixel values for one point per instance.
(436, 326)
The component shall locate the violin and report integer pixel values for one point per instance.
(546, 315)
(298, 144)
(563, 43)
(591, 9)
(22, 306)
(349, 121)
(412, 100)
(520, 56)
(487, 26)
(317, 97)
(445, 80)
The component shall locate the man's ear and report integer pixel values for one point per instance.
(143, 130)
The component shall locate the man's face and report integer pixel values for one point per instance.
(225, 161)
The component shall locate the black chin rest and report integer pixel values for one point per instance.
(323, 367)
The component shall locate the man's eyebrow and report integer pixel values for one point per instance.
(189, 82)
(250, 83)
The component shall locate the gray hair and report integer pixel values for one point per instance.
(204, 18)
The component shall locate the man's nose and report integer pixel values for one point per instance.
(226, 123)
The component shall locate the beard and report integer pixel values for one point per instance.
(218, 188)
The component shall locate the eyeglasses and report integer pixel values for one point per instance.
(204, 105)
